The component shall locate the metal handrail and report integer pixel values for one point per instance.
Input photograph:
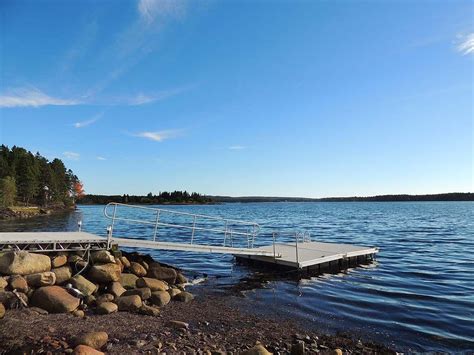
(254, 228)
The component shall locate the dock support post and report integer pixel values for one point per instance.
(297, 256)
(194, 228)
(156, 225)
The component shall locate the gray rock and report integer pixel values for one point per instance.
(23, 263)
(63, 274)
(162, 273)
(84, 285)
(106, 308)
(143, 292)
(160, 298)
(46, 278)
(129, 303)
(54, 299)
(183, 297)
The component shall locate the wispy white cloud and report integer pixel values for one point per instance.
(150, 10)
(88, 122)
(101, 158)
(32, 97)
(159, 136)
(142, 99)
(466, 45)
(71, 155)
(237, 147)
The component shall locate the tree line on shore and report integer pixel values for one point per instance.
(175, 197)
(27, 178)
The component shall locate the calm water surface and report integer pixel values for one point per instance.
(418, 295)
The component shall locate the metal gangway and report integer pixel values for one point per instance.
(200, 233)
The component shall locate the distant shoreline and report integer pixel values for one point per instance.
(445, 197)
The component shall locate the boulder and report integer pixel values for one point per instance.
(84, 285)
(23, 263)
(125, 261)
(119, 263)
(105, 273)
(46, 278)
(144, 293)
(258, 349)
(159, 272)
(54, 299)
(62, 273)
(149, 311)
(129, 303)
(2, 310)
(152, 284)
(89, 300)
(137, 269)
(102, 257)
(183, 297)
(106, 297)
(7, 297)
(106, 308)
(174, 291)
(59, 260)
(160, 298)
(86, 350)
(18, 283)
(78, 313)
(116, 289)
(128, 281)
(144, 264)
(3, 283)
(181, 279)
(336, 352)
(95, 340)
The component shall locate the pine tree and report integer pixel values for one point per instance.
(7, 191)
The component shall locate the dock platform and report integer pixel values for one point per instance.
(306, 255)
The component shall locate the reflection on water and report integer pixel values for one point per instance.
(419, 294)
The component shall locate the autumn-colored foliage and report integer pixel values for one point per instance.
(78, 190)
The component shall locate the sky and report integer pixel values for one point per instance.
(239, 98)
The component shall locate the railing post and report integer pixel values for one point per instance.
(225, 232)
(274, 252)
(194, 226)
(156, 225)
(109, 236)
(113, 220)
(297, 256)
(79, 225)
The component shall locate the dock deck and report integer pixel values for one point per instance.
(310, 254)
(296, 255)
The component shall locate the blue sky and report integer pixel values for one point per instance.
(275, 98)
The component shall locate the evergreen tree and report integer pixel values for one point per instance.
(7, 191)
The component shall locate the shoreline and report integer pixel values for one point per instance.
(16, 212)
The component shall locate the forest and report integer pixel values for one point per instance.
(30, 179)
(163, 198)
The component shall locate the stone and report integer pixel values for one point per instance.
(54, 299)
(336, 352)
(119, 263)
(106, 308)
(106, 297)
(7, 298)
(258, 349)
(78, 313)
(177, 324)
(174, 291)
(183, 297)
(181, 279)
(84, 285)
(137, 269)
(2, 310)
(59, 260)
(46, 278)
(63, 274)
(143, 292)
(38, 310)
(95, 340)
(18, 283)
(152, 284)
(128, 281)
(3, 283)
(159, 272)
(129, 303)
(149, 311)
(86, 350)
(144, 264)
(89, 300)
(116, 289)
(74, 258)
(23, 263)
(125, 261)
(160, 298)
(102, 257)
(105, 273)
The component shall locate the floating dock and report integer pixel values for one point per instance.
(308, 255)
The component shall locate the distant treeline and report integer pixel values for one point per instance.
(175, 197)
(454, 196)
(27, 178)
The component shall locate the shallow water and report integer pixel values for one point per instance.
(418, 295)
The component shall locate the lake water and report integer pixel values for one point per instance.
(418, 295)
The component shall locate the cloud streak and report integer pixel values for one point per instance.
(71, 155)
(86, 123)
(237, 147)
(100, 158)
(32, 97)
(158, 136)
(467, 44)
(142, 99)
(150, 10)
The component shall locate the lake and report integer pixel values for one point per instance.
(418, 295)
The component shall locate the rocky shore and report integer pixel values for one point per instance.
(8, 213)
(90, 303)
